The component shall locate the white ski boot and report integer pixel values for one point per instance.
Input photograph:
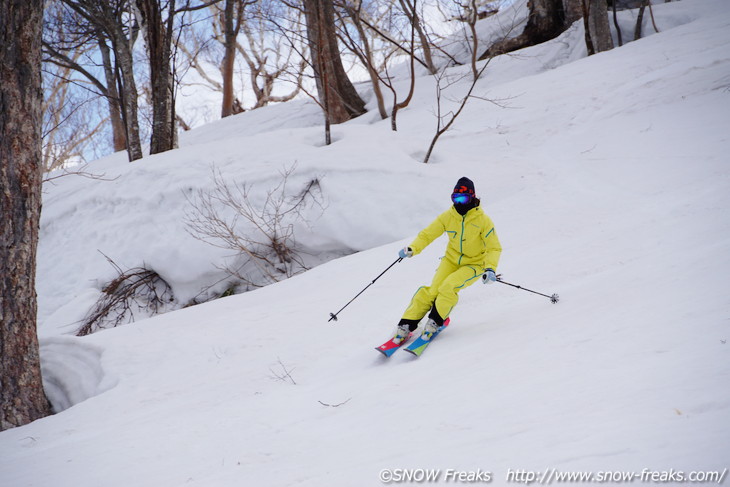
(430, 328)
(402, 332)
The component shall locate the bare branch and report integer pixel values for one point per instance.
(80, 172)
(261, 236)
(285, 374)
(335, 405)
(203, 5)
(441, 127)
(137, 289)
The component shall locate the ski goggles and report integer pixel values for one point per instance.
(461, 198)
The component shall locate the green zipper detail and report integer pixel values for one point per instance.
(461, 242)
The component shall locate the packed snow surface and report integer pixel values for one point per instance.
(608, 179)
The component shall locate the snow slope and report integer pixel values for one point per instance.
(608, 180)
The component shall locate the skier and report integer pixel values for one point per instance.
(473, 250)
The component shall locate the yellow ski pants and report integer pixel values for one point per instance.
(450, 278)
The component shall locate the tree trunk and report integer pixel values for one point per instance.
(158, 37)
(367, 58)
(22, 398)
(599, 29)
(124, 68)
(573, 11)
(587, 29)
(546, 21)
(615, 24)
(107, 24)
(403, 104)
(129, 95)
(119, 137)
(337, 95)
(231, 26)
(410, 8)
(640, 20)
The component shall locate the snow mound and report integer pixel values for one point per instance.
(72, 371)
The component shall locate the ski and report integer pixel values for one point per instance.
(390, 347)
(419, 344)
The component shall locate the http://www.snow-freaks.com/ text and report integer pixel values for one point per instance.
(549, 476)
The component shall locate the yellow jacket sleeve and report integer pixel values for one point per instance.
(429, 234)
(494, 249)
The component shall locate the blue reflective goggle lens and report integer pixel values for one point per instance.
(461, 198)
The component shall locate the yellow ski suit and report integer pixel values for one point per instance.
(472, 248)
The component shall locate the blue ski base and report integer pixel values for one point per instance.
(420, 345)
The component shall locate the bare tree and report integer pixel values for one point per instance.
(398, 105)
(548, 19)
(270, 54)
(69, 42)
(382, 28)
(22, 398)
(615, 24)
(267, 60)
(195, 49)
(266, 51)
(395, 27)
(337, 95)
(114, 100)
(573, 11)
(109, 26)
(370, 33)
(121, 32)
(545, 22)
(410, 8)
(158, 33)
(232, 19)
(362, 47)
(162, 22)
(444, 121)
(598, 32)
(471, 16)
(395, 31)
(640, 19)
(68, 129)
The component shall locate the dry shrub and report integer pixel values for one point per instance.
(260, 234)
(136, 290)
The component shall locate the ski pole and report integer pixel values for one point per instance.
(333, 316)
(553, 299)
